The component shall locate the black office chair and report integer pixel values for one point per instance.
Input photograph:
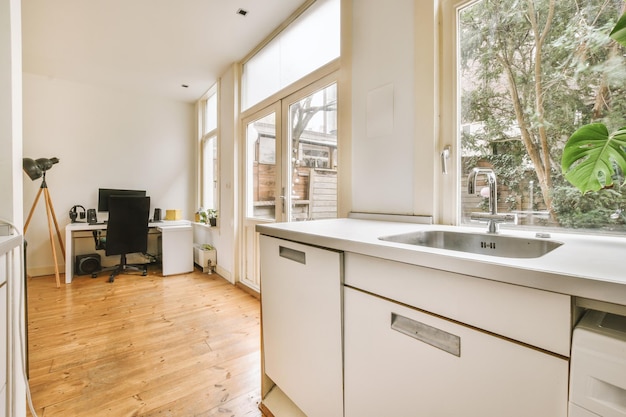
(127, 232)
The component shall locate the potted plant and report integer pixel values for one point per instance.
(212, 216)
(593, 158)
(201, 216)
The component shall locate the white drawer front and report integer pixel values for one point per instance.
(389, 373)
(536, 317)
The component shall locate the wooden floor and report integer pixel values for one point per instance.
(184, 345)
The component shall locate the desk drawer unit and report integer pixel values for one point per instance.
(177, 249)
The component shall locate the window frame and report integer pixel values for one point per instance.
(451, 183)
(204, 137)
(284, 88)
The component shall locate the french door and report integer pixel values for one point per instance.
(290, 156)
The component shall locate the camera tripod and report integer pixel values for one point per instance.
(51, 218)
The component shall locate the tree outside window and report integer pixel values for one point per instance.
(532, 72)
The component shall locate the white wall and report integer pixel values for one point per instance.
(104, 138)
(223, 237)
(393, 106)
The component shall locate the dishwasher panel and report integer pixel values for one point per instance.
(301, 305)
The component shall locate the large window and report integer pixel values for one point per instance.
(307, 44)
(529, 74)
(208, 150)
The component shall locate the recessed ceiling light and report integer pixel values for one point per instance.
(242, 12)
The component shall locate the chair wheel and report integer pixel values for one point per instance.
(112, 278)
(94, 275)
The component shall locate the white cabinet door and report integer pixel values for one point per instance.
(389, 373)
(301, 290)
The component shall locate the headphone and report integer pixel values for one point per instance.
(74, 214)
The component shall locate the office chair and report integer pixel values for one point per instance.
(127, 232)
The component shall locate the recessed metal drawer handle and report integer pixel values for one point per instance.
(292, 254)
(427, 334)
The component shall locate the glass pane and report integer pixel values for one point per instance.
(209, 173)
(310, 42)
(313, 151)
(530, 74)
(261, 168)
(210, 116)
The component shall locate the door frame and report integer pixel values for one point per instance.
(249, 252)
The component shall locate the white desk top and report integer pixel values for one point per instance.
(76, 227)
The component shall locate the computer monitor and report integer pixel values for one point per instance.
(105, 193)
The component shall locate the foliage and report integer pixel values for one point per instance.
(530, 72)
(592, 210)
(206, 215)
(619, 31)
(592, 158)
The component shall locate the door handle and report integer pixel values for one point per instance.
(445, 157)
(430, 335)
(292, 254)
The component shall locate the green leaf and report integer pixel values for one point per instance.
(619, 31)
(590, 154)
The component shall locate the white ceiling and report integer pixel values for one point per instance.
(151, 46)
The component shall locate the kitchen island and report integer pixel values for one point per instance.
(493, 333)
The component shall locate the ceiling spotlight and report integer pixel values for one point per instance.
(242, 12)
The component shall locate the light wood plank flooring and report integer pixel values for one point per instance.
(184, 345)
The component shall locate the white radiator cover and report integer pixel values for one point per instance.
(202, 257)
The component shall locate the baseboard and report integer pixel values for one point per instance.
(39, 271)
(248, 290)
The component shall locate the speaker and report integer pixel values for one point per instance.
(87, 264)
(91, 216)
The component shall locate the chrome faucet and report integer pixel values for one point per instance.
(493, 218)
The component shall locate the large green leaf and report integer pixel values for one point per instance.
(590, 154)
(619, 31)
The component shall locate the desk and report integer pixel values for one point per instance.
(176, 258)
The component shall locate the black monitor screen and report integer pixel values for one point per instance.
(105, 193)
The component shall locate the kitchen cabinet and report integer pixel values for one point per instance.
(449, 370)
(538, 318)
(445, 344)
(301, 312)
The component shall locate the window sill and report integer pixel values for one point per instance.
(204, 225)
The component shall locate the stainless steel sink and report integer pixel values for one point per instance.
(480, 243)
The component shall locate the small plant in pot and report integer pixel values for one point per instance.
(212, 216)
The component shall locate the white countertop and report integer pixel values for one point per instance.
(584, 266)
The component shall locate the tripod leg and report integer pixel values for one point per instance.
(32, 210)
(54, 217)
(54, 250)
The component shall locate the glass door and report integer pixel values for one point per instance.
(262, 202)
(310, 186)
(290, 178)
